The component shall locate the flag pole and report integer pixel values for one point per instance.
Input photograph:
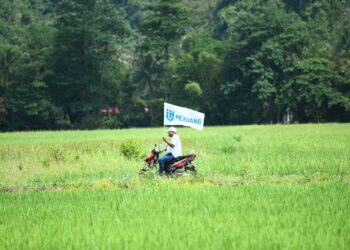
(164, 121)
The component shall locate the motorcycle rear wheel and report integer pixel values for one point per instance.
(192, 169)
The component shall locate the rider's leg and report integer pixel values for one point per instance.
(166, 158)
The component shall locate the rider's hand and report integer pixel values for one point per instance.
(164, 139)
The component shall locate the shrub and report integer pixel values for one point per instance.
(193, 89)
(131, 149)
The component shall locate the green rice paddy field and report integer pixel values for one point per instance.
(258, 187)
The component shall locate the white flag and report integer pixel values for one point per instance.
(175, 115)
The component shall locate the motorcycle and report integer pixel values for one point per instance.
(177, 166)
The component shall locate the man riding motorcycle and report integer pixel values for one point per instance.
(174, 149)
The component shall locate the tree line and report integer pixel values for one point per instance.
(83, 64)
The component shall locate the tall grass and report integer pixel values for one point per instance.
(258, 187)
(247, 217)
(248, 152)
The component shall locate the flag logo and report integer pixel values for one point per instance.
(170, 115)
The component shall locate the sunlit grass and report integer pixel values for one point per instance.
(247, 217)
(258, 187)
(249, 152)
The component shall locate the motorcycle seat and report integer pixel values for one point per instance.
(184, 156)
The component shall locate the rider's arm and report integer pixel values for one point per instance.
(169, 143)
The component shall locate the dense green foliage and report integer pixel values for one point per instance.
(70, 64)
